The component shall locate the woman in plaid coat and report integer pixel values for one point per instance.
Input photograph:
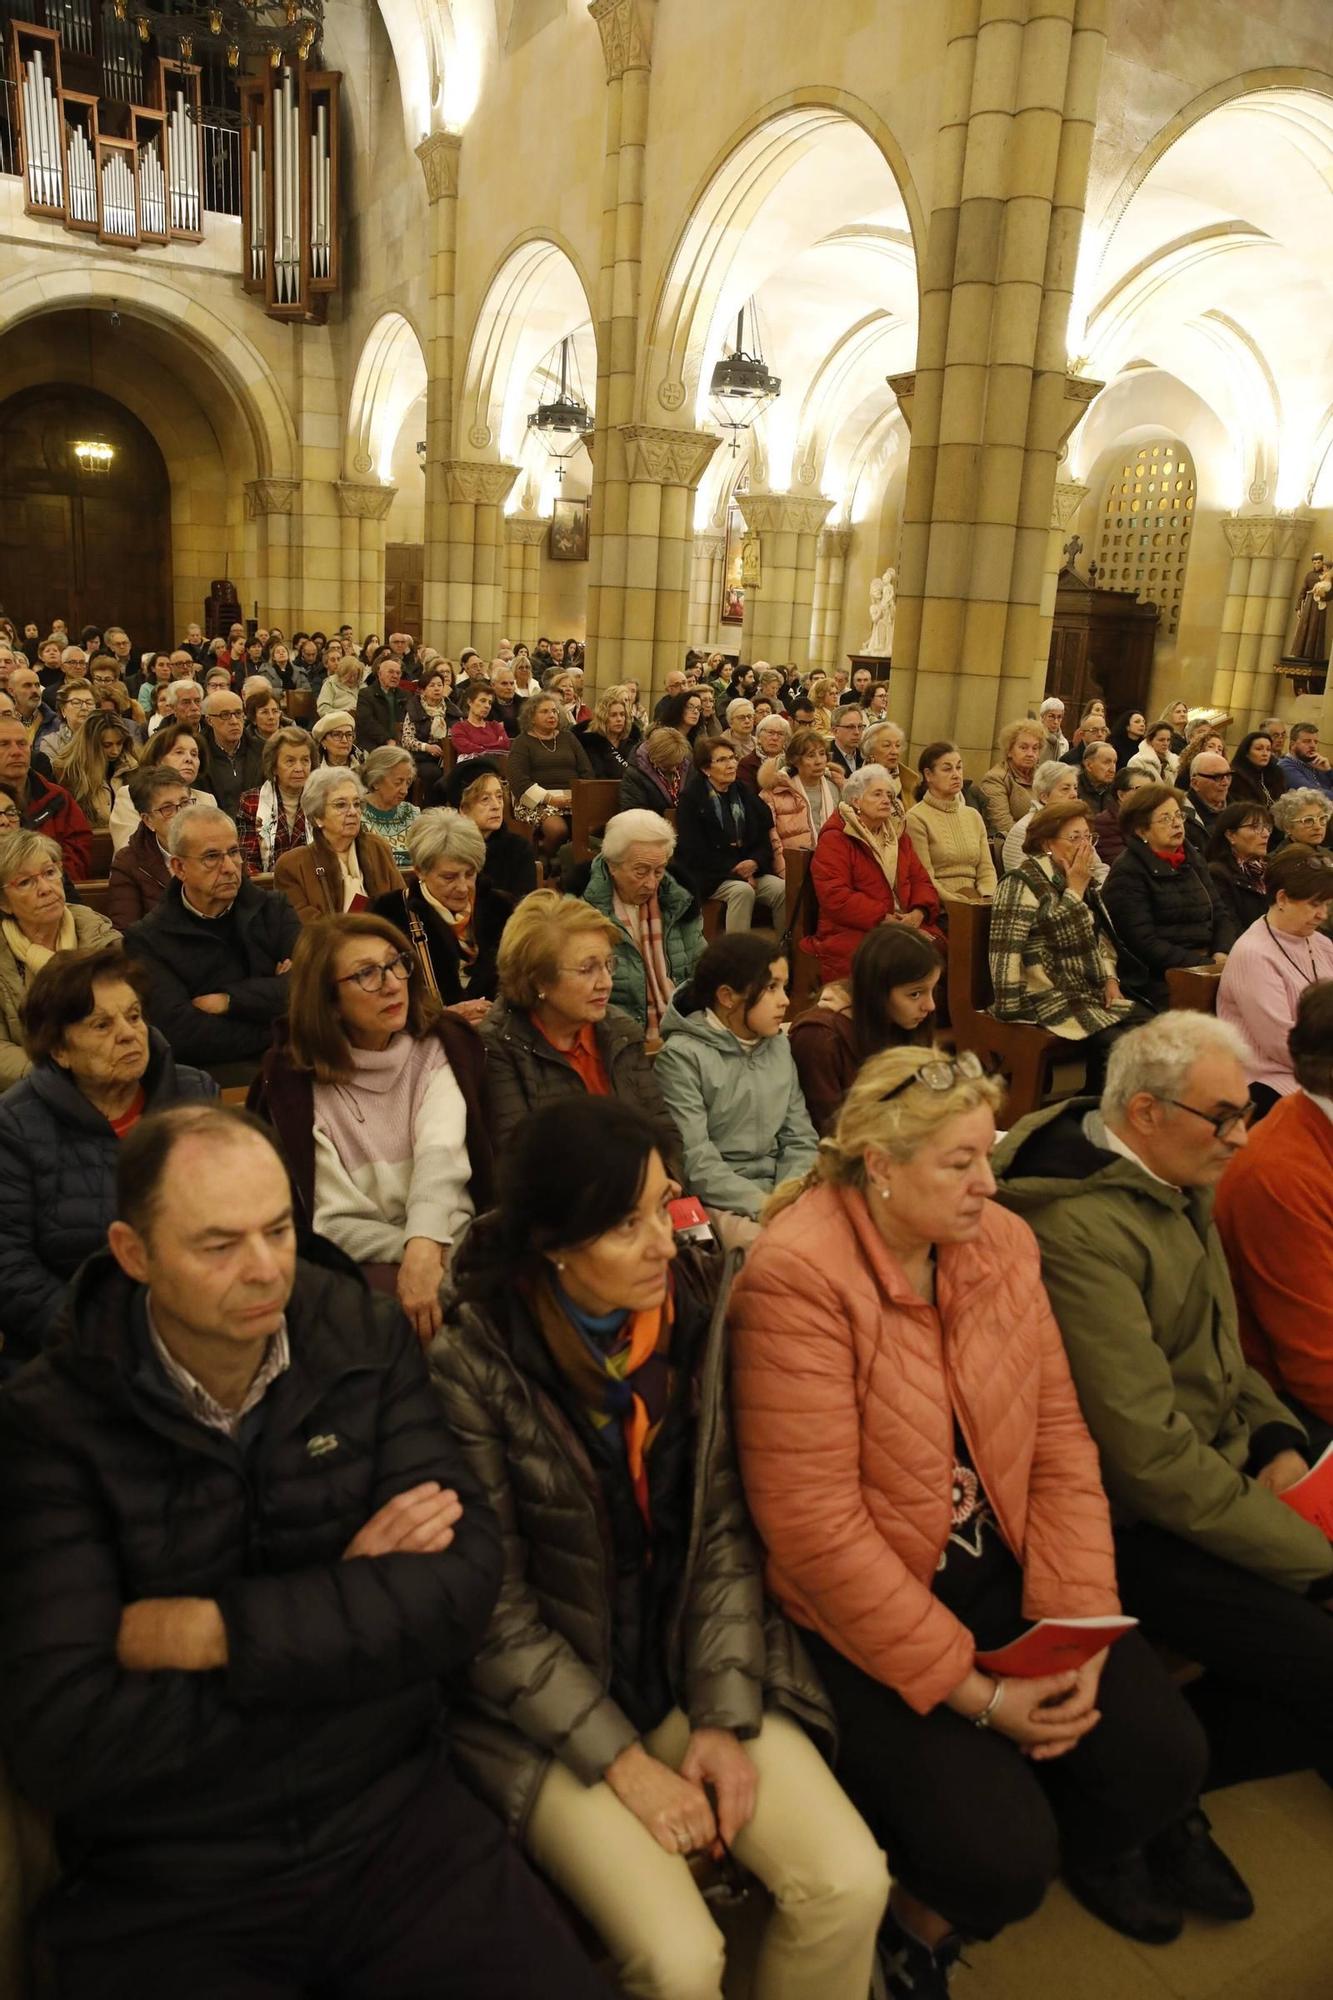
(1052, 949)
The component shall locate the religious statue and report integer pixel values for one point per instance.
(1311, 640)
(883, 605)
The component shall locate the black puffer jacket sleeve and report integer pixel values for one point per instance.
(350, 1630)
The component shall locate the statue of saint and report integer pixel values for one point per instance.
(883, 605)
(1311, 640)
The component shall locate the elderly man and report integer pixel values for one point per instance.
(1276, 731)
(661, 930)
(217, 947)
(1196, 1448)
(401, 646)
(183, 701)
(1094, 730)
(506, 703)
(1096, 776)
(195, 644)
(233, 761)
(116, 641)
(381, 706)
(244, 1557)
(1303, 764)
(1051, 716)
(1210, 788)
(849, 727)
(35, 713)
(676, 683)
(73, 664)
(45, 806)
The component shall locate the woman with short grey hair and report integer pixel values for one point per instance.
(36, 922)
(388, 775)
(450, 915)
(344, 867)
(657, 919)
(1302, 815)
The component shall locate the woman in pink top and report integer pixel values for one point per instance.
(478, 736)
(1274, 961)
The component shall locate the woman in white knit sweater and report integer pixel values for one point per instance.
(950, 837)
(377, 1098)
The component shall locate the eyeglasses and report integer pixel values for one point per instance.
(941, 1074)
(1311, 819)
(212, 858)
(372, 978)
(9, 816)
(1223, 1123)
(590, 968)
(167, 809)
(346, 806)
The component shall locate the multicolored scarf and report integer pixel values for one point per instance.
(629, 1383)
(644, 924)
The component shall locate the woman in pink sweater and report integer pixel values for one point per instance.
(916, 1462)
(1274, 961)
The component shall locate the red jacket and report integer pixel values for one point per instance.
(845, 1386)
(53, 811)
(854, 894)
(1274, 1212)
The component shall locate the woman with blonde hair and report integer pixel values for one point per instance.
(797, 790)
(1006, 789)
(36, 922)
(921, 1476)
(95, 766)
(176, 747)
(611, 736)
(824, 698)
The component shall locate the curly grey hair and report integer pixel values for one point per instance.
(1289, 808)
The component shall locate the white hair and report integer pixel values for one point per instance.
(860, 781)
(1048, 775)
(1158, 1057)
(1288, 808)
(1052, 701)
(323, 781)
(192, 819)
(741, 701)
(175, 689)
(628, 829)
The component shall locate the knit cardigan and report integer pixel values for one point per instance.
(950, 840)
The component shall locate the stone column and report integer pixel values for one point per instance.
(523, 562)
(626, 28)
(476, 491)
(439, 157)
(777, 613)
(710, 553)
(1264, 552)
(1066, 501)
(831, 553)
(271, 504)
(363, 507)
(991, 392)
(664, 469)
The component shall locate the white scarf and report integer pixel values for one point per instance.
(267, 812)
(353, 881)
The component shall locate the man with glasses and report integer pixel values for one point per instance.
(217, 947)
(1195, 1446)
(233, 763)
(1210, 788)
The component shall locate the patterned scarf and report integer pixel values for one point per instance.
(644, 924)
(629, 1383)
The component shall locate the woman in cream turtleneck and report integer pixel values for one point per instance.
(950, 837)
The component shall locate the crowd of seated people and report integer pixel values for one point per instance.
(546, 1273)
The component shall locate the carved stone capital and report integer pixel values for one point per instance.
(1277, 535)
(528, 533)
(479, 482)
(1066, 500)
(904, 390)
(668, 457)
(835, 541)
(710, 548)
(270, 496)
(1080, 391)
(360, 500)
(626, 29)
(438, 155)
(782, 513)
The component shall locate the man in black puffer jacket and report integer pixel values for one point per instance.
(239, 1552)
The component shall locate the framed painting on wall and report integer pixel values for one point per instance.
(733, 570)
(569, 531)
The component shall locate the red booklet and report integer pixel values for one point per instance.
(1054, 1646)
(1312, 1497)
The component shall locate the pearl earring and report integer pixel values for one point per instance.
(884, 1193)
(559, 1263)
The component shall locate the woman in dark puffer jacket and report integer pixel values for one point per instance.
(635, 1700)
(1161, 898)
(97, 1067)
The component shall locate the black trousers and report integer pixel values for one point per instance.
(443, 1908)
(1267, 1697)
(975, 1829)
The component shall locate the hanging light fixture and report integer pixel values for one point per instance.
(743, 386)
(94, 455)
(564, 422)
(239, 32)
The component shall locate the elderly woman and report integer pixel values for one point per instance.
(657, 770)
(949, 836)
(1107, 832)
(376, 1098)
(138, 878)
(269, 820)
(1301, 816)
(478, 792)
(553, 1031)
(798, 790)
(1052, 785)
(479, 734)
(1155, 755)
(1271, 965)
(451, 915)
(75, 703)
(546, 761)
(614, 1747)
(884, 743)
(887, 1003)
(865, 872)
(611, 736)
(264, 713)
(94, 766)
(388, 775)
(334, 738)
(925, 1487)
(740, 725)
(1237, 858)
(340, 685)
(772, 734)
(343, 867)
(176, 747)
(35, 924)
(1160, 896)
(96, 1069)
(659, 929)
(1006, 790)
(1053, 959)
(429, 718)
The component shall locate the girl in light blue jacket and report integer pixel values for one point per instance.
(728, 1077)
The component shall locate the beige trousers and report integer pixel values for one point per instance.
(806, 1843)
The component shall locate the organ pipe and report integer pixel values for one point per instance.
(82, 169)
(42, 143)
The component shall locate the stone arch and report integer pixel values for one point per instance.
(536, 295)
(390, 376)
(441, 49)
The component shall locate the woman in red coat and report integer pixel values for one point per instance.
(865, 872)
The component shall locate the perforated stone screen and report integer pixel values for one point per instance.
(1147, 520)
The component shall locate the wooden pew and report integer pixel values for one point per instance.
(593, 802)
(93, 894)
(803, 981)
(301, 705)
(1024, 1054)
(1193, 987)
(100, 864)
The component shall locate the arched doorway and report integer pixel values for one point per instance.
(87, 539)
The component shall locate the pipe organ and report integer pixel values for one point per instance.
(289, 189)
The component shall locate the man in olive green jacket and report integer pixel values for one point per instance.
(1195, 1446)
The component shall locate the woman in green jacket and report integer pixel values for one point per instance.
(661, 932)
(635, 1700)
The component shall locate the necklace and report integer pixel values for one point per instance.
(1314, 974)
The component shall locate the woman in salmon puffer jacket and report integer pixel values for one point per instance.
(917, 1464)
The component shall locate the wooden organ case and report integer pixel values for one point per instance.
(289, 189)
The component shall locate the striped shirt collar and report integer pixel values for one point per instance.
(202, 1406)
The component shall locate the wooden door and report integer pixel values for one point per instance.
(404, 585)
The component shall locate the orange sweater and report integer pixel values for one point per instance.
(1274, 1213)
